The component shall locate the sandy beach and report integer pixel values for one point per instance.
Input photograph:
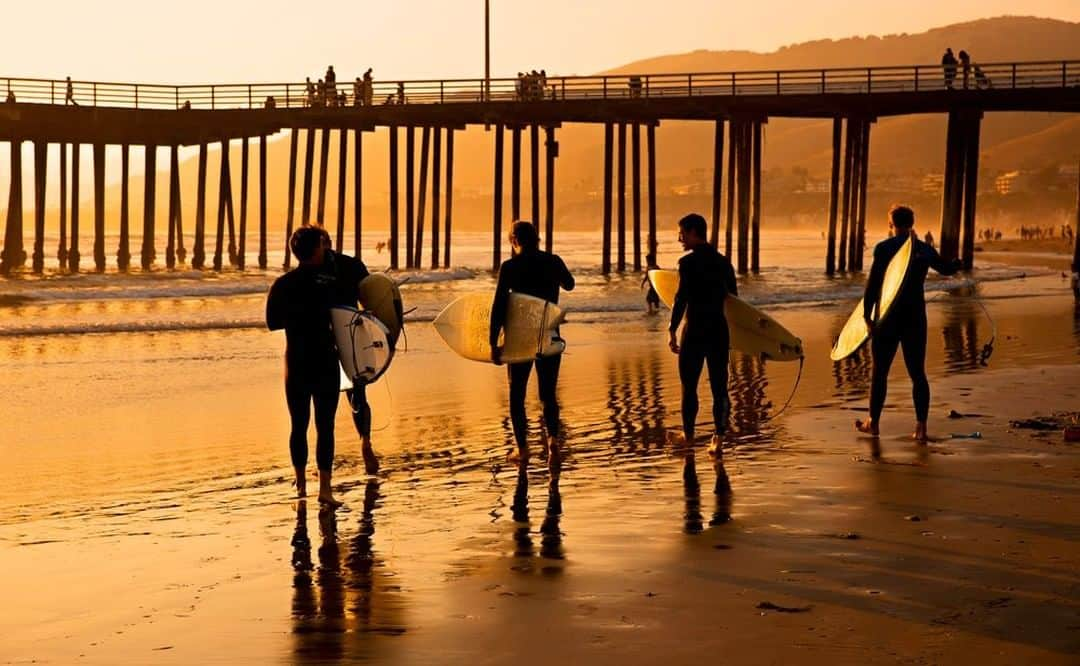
(150, 520)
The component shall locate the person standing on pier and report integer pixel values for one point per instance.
(906, 323)
(69, 97)
(948, 64)
(965, 67)
(706, 277)
(536, 273)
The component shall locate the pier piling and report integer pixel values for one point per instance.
(834, 195)
(149, 200)
(41, 154)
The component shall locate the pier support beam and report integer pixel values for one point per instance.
(73, 251)
(358, 191)
(123, 252)
(324, 159)
(755, 185)
(262, 202)
(650, 178)
(198, 250)
(449, 195)
(864, 178)
(61, 248)
(393, 196)
(534, 169)
(952, 188)
(421, 204)
(971, 186)
(635, 190)
(436, 192)
(309, 159)
(718, 173)
(224, 203)
(605, 260)
(1076, 242)
(855, 126)
(241, 255)
(834, 196)
(342, 184)
(845, 206)
(410, 193)
(41, 156)
(621, 201)
(515, 173)
(174, 196)
(551, 151)
(14, 256)
(497, 195)
(149, 201)
(743, 177)
(291, 207)
(734, 132)
(99, 207)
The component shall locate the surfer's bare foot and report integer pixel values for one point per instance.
(300, 482)
(920, 435)
(716, 446)
(866, 427)
(371, 461)
(326, 493)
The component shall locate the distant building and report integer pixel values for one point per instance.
(933, 183)
(1012, 182)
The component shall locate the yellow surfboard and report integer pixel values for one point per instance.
(531, 330)
(751, 331)
(379, 295)
(855, 333)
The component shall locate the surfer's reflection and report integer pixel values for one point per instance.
(693, 520)
(749, 404)
(960, 336)
(551, 537)
(344, 601)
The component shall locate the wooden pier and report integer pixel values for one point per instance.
(737, 104)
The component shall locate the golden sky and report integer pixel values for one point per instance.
(212, 41)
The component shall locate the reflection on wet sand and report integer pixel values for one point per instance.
(333, 612)
(551, 536)
(960, 333)
(693, 520)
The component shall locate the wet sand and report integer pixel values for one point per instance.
(149, 518)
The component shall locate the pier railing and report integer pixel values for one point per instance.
(537, 89)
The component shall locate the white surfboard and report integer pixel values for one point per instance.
(855, 333)
(531, 328)
(750, 330)
(363, 346)
(379, 295)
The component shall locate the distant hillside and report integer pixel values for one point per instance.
(904, 145)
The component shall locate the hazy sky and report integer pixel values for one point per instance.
(197, 41)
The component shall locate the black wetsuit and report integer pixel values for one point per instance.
(539, 274)
(705, 279)
(905, 324)
(300, 303)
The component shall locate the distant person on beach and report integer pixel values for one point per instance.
(299, 302)
(706, 277)
(652, 299)
(906, 324)
(536, 273)
(948, 66)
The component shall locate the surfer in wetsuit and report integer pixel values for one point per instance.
(706, 277)
(300, 303)
(536, 273)
(906, 322)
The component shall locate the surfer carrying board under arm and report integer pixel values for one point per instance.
(536, 273)
(299, 302)
(905, 323)
(706, 277)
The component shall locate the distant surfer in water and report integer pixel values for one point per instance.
(300, 303)
(906, 322)
(706, 277)
(536, 273)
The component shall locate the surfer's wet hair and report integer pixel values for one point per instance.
(305, 241)
(695, 223)
(525, 234)
(902, 217)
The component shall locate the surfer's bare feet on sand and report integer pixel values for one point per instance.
(519, 455)
(920, 435)
(866, 427)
